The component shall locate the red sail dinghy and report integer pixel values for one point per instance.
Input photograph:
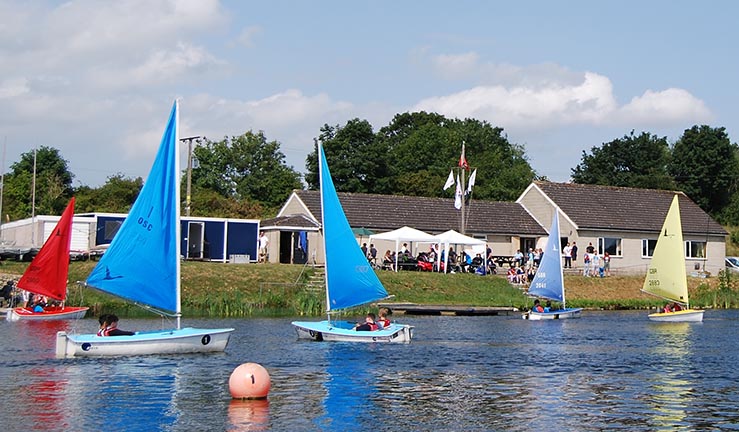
(47, 275)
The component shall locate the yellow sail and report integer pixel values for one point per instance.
(666, 276)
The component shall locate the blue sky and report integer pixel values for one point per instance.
(97, 79)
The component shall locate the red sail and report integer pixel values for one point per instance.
(47, 274)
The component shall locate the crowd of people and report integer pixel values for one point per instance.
(433, 260)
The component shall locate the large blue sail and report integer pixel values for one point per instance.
(142, 262)
(350, 280)
(548, 281)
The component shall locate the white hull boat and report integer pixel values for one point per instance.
(174, 341)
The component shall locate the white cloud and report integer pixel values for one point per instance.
(665, 107)
(552, 102)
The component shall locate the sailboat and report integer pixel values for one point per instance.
(548, 281)
(350, 280)
(142, 265)
(47, 275)
(666, 276)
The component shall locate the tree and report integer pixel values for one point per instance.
(414, 153)
(115, 196)
(245, 168)
(632, 161)
(704, 165)
(53, 184)
(357, 160)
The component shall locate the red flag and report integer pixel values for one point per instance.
(463, 160)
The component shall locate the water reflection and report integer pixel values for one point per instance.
(671, 389)
(612, 370)
(248, 415)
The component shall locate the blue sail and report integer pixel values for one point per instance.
(548, 281)
(142, 262)
(350, 280)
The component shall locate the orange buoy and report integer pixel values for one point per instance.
(249, 381)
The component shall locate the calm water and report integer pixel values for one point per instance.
(613, 370)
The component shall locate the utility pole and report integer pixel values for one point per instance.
(189, 141)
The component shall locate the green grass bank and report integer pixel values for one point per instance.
(242, 290)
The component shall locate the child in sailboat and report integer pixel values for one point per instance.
(537, 306)
(111, 327)
(383, 322)
(368, 325)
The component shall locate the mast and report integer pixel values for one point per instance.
(321, 155)
(178, 228)
(2, 187)
(33, 202)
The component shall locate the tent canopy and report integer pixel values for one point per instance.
(405, 234)
(453, 237)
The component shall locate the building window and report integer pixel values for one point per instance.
(111, 228)
(695, 249)
(647, 247)
(610, 245)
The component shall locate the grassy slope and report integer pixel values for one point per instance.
(216, 289)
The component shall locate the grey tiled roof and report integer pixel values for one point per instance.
(292, 221)
(433, 215)
(626, 209)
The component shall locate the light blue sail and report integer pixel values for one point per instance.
(142, 262)
(548, 281)
(350, 280)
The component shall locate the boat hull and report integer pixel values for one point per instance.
(173, 341)
(344, 332)
(553, 315)
(50, 313)
(688, 315)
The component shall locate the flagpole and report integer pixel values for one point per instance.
(462, 169)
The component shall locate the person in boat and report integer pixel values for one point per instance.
(111, 327)
(383, 322)
(537, 306)
(368, 325)
(548, 306)
(37, 303)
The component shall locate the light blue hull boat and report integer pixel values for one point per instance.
(343, 331)
(142, 265)
(350, 280)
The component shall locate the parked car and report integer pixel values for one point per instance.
(732, 264)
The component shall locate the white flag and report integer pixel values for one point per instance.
(471, 181)
(458, 195)
(449, 181)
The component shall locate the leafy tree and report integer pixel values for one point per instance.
(209, 203)
(705, 167)
(357, 160)
(53, 184)
(638, 161)
(115, 196)
(414, 153)
(246, 168)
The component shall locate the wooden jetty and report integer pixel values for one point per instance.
(458, 310)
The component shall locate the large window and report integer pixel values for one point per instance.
(610, 245)
(695, 249)
(647, 247)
